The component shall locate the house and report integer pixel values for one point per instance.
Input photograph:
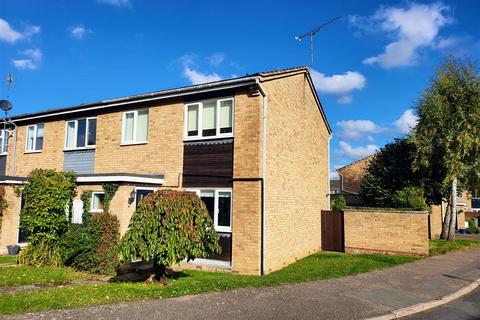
(254, 148)
(349, 185)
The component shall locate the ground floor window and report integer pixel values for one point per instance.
(219, 206)
(141, 193)
(98, 202)
(22, 237)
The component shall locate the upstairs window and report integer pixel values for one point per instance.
(34, 137)
(209, 119)
(3, 141)
(135, 127)
(81, 133)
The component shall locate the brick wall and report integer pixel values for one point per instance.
(10, 221)
(297, 175)
(436, 222)
(246, 223)
(396, 232)
(51, 157)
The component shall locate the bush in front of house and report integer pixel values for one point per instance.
(92, 246)
(339, 203)
(409, 197)
(48, 196)
(471, 227)
(169, 226)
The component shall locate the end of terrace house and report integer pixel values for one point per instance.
(254, 148)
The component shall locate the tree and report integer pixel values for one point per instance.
(169, 226)
(48, 196)
(448, 130)
(391, 170)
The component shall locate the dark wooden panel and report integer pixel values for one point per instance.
(3, 165)
(208, 165)
(225, 242)
(333, 237)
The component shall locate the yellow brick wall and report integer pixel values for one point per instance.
(436, 222)
(162, 154)
(51, 156)
(297, 175)
(246, 223)
(404, 233)
(10, 221)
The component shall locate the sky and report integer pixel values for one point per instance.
(369, 69)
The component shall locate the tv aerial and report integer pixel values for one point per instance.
(311, 34)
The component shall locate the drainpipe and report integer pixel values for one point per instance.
(328, 155)
(14, 157)
(264, 173)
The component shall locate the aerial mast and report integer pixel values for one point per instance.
(311, 34)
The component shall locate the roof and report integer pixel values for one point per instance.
(355, 162)
(169, 93)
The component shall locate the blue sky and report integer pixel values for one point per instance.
(369, 68)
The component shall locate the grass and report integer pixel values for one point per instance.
(315, 267)
(7, 259)
(20, 275)
(442, 246)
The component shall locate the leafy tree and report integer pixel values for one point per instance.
(48, 196)
(168, 227)
(409, 197)
(391, 170)
(339, 203)
(448, 130)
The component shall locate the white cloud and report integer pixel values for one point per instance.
(195, 76)
(79, 32)
(357, 152)
(412, 28)
(216, 59)
(357, 129)
(334, 175)
(8, 34)
(117, 3)
(33, 59)
(406, 122)
(339, 84)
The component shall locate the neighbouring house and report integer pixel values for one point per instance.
(254, 148)
(349, 184)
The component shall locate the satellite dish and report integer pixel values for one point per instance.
(5, 105)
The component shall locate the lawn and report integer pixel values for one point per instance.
(443, 246)
(315, 267)
(20, 275)
(7, 259)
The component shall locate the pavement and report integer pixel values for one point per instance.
(361, 296)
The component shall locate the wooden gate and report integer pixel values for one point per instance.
(333, 237)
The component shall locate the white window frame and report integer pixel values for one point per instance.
(93, 146)
(35, 129)
(135, 120)
(91, 202)
(4, 133)
(200, 120)
(216, 210)
(142, 188)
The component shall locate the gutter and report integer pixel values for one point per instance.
(264, 173)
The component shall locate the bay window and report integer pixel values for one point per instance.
(81, 133)
(209, 119)
(219, 206)
(3, 141)
(34, 137)
(135, 127)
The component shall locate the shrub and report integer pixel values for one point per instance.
(92, 247)
(471, 227)
(409, 197)
(3, 205)
(168, 227)
(339, 203)
(41, 253)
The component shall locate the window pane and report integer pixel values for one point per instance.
(70, 134)
(3, 145)
(128, 127)
(208, 197)
(224, 209)
(226, 116)
(98, 203)
(39, 140)
(92, 132)
(209, 118)
(30, 137)
(192, 120)
(81, 132)
(142, 126)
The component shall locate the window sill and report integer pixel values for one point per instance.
(96, 211)
(33, 151)
(79, 149)
(223, 230)
(207, 138)
(123, 144)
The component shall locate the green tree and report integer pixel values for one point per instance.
(169, 226)
(339, 203)
(391, 170)
(448, 130)
(409, 197)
